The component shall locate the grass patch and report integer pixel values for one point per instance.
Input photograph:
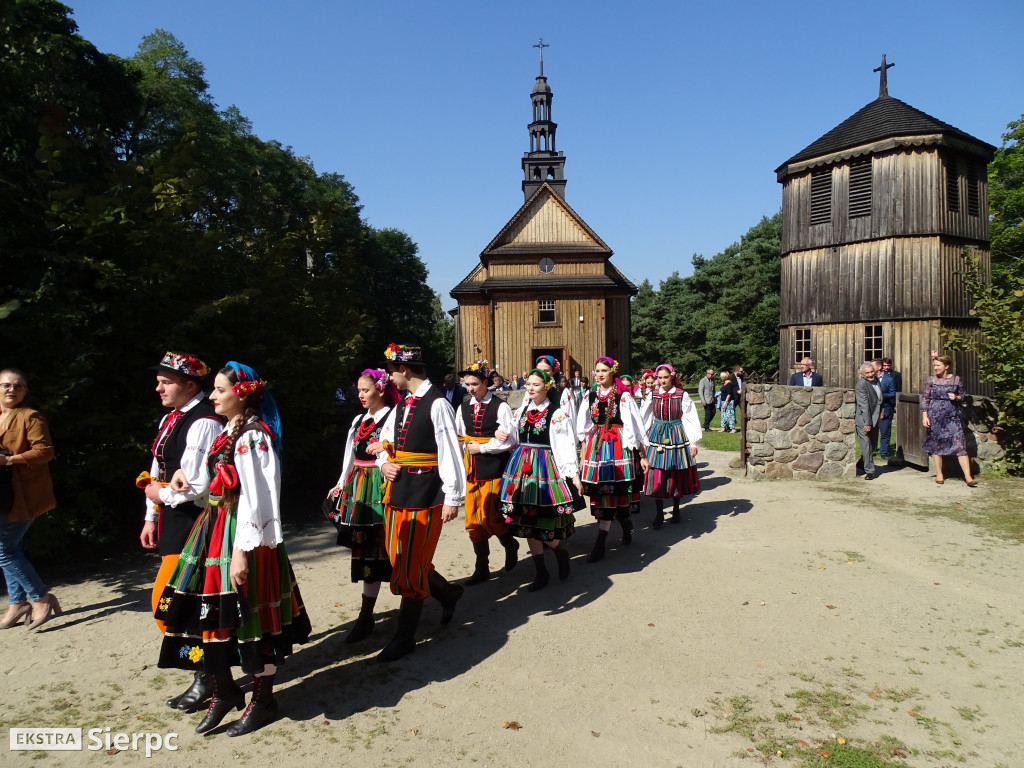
(719, 441)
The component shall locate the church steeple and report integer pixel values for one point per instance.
(542, 163)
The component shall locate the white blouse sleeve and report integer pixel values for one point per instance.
(449, 453)
(200, 437)
(258, 520)
(506, 421)
(387, 435)
(346, 463)
(568, 404)
(647, 412)
(584, 422)
(633, 432)
(563, 445)
(691, 421)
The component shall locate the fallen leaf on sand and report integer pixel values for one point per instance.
(750, 749)
(113, 751)
(872, 696)
(762, 602)
(746, 602)
(796, 719)
(511, 725)
(337, 605)
(936, 583)
(650, 625)
(595, 734)
(437, 704)
(840, 740)
(899, 753)
(912, 714)
(414, 731)
(825, 753)
(822, 568)
(803, 743)
(830, 607)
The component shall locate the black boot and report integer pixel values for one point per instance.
(364, 621)
(511, 545)
(194, 696)
(261, 710)
(675, 518)
(659, 515)
(542, 578)
(446, 594)
(404, 641)
(225, 695)
(562, 556)
(627, 530)
(598, 551)
(483, 571)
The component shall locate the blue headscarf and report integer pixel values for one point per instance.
(268, 406)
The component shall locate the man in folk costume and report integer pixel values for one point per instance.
(182, 442)
(426, 487)
(476, 421)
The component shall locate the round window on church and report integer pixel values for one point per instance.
(546, 265)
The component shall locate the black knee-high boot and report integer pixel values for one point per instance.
(225, 695)
(262, 707)
(363, 626)
(562, 558)
(193, 698)
(598, 552)
(446, 593)
(511, 545)
(541, 579)
(404, 641)
(675, 518)
(627, 530)
(659, 515)
(482, 572)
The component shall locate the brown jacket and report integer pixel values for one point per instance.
(24, 432)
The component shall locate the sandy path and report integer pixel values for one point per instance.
(768, 588)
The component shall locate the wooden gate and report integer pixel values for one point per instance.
(909, 429)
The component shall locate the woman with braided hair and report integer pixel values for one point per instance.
(611, 429)
(356, 504)
(673, 431)
(540, 487)
(232, 599)
(549, 364)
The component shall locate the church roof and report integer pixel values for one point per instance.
(611, 280)
(883, 118)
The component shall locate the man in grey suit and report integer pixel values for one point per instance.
(706, 391)
(868, 408)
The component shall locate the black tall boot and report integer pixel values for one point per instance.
(483, 571)
(363, 626)
(404, 641)
(675, 518)
(627, 530)
(659, 515)
(511, 545)
(262, 707)
(598, 551)
(193, 697)
(542, 578)
(562, 557)
(446, 593)
(225, 695)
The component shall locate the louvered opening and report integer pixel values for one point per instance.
(973, 191)
(860, 189)
(952, 186)
(821, 196)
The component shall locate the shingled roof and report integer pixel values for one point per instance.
(883, 118)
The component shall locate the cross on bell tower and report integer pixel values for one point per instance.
(883, 78)
(542, 163)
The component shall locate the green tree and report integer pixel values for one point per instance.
(1006, 203)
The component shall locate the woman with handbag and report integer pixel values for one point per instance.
(26, 492)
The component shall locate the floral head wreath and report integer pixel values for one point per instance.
(544, 376)
(613, 364)
(378, 376)
(184, 364)
(672, 372)
(400, 353)
(479, 365)
(247, 387)
(550, 360)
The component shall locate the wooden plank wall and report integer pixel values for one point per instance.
(908, 198)
(472, 330)
(895, 278)
(547, 222)
(527, 267)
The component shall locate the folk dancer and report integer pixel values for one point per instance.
(540, 489)
(355, 505)
(612, 431)
(232, 598)
(566, 401)
(674, 430)
(426, 484)
(182, 443)
(484, 456)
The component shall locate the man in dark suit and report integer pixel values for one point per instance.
(891, 383)
(805, 377)
(868, 407)
(454, 392)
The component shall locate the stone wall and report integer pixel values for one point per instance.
(981, 419)
(800, 431)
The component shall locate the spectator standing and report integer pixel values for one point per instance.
(941, 395)
(728, 395)
(706, 392)
(892, 383)
(868, 397)
(454, 392)
(805, 377)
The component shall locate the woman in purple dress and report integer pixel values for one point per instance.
(941, 396)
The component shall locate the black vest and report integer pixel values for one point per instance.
(172, 448)
(359, 446)
(488, 466)
(417, 487)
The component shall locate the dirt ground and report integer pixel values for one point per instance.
(778, 612)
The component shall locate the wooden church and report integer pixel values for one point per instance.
(875, 218)
(545, 284)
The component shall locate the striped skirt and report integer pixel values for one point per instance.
(536, 502)
(610, 474)
(358, 514)
(210, 625)
(672, 471)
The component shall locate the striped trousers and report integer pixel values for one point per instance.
(412, 536)
(483, 510)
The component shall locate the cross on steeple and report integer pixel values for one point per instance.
(883, 80)
(542, 45)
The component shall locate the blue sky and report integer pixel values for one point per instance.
(672, 117)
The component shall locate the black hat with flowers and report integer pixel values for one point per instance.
(183, 364)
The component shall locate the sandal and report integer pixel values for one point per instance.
(972, 483)
(939, 481)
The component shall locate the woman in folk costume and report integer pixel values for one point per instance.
(549, 364)
(477, 421)
(232, 598)
(356, 505)
(540, 489)
(673, 432)
(646, 386)
(611, 429)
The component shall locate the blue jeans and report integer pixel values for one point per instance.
(885, 428)
(22, 579)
